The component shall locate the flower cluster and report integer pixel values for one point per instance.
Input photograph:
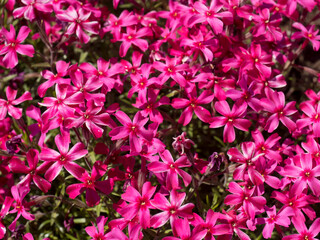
(178, 119)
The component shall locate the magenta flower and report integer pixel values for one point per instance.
(193, 105)
(8, 105)
(149, 105)
(247, 159)
(245, 197)
(305, 233)
(32, 172)
(306, 174)
(172, 168)
(134, 129)
(139, 204)
(275, 104)
(273, 219)
(21, 207)
(62, 70)
(91, 185)
(308, 33)
(79, 23)
(61, 104)
(103, 74)
(311, 117)
(171, 69)
(3, 212)
(133, 37)
(13, 46)
(182, 231)
(63, 158)
(230, 119)
(210, 15)
(91, 119)
(92, 230)
(115, 24)
(210, 225)
(41, 126)
(32, 7)
(170, 210)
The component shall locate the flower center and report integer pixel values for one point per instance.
(256, 60)
(62, 158)
(309, 35)
(171, 166)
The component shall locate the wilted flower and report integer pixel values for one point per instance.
(181, 143)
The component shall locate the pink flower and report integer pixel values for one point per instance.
(3, 212)
(91, 119)
(275, 104)
(62, 70)
(171, 210)
(181, 228)
(171, 69)
(305, 233)
(172, 168)
(273, 219)
(8, 106)
(31, 9)
(210, 15)
(311, 117)
(103, 74)
(133, 37)
(139, 204)
(306, 174)
(13, 46)
(308, 33)
(32, 172)
(20, 206)
(134, 129)
(246, 198)
(230, 119)
(79, 22)
(90, 185)
(193, 105)
(63, 158)
(92, 230)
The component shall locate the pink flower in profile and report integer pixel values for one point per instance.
(139, 204)
(3, 212)
(172, 168)
(64, 158)
(90, 185)
(13, 46)
(8, 105)
(92, 230)
(132, 129)
(193, 105)
(21, 207)
(304, 233)
(79, 23)
(182, 231)
(231, 118)
(32, 172)
(308, 33)
(171, 210)
(31, 9)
